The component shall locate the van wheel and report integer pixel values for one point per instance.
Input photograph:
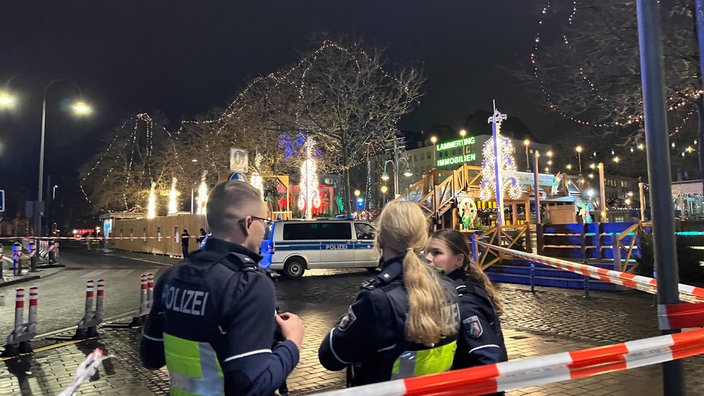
(294, 268)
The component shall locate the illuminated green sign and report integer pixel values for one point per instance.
(458, 159)
(456, 143)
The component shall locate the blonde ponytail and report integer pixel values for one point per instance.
(404, 230)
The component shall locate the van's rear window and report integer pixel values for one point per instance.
(316, 230)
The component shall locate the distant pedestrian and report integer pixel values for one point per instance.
(405, 321)
(481, 340)
(184, 243)
(200, 238)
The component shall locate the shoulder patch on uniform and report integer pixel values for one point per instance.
(347, 320)
(473, 326)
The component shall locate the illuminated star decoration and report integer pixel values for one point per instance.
(507, 165)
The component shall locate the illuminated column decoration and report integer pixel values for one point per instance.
(309, 196)
(151, 203)
(498, 164)
(173, 206)
(256, 179)
(202, 197)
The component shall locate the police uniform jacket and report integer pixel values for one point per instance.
(481, 340)
(217, 296)
(369, 339)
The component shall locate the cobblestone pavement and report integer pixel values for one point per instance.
(545, 322)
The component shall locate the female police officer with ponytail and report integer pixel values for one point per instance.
(405, 321)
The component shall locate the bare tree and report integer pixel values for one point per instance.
(586, 64)
(352, 105)
(138, 153)
(339, 94)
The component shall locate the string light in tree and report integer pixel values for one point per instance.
(685, 99)
(128, 161)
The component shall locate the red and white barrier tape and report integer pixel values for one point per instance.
(688, 293)
(541, 370)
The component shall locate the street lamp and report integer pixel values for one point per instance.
(384, 190)
(394, 163)
(526, 143)
(79, 108)
(463, 132)
(549, 154)
(579, 157)
(434, 140)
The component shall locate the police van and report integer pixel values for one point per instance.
(292, 246)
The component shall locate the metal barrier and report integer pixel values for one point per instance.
(32, 247)
(19, 338)
(53, 251)
(687, 293)
(87, 326)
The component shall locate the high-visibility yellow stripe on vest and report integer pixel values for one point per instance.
(193, 367)
(423, 362)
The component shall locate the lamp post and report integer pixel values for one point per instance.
(434, 141)
(395, 163)
(79, 108)
(526, 143)
(579, 158)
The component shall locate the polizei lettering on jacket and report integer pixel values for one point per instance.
(186, 301)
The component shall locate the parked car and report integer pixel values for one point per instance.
(292, 246)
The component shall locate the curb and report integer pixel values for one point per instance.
(33, 276)
(20, 280)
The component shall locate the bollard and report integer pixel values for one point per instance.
(532, 277)
(2, 260)
(99, 299)
(18, 340)
(52, 252)
(142, 311)
(32, 247)
(87, 326)
(56, 248)
(19, 307)
(150, 291)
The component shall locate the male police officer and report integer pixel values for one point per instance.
(213, 320)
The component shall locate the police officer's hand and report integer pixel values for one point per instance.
(291, 327)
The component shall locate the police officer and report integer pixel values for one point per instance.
(392, 331)
(213, 320)
(481, 341)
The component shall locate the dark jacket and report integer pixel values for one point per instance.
(371, 336)
(236, 317)
(481, 341)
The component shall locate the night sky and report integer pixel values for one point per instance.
(180, 58)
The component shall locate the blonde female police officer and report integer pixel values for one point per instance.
(481, 340)
(213, 319)
(405, 321)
